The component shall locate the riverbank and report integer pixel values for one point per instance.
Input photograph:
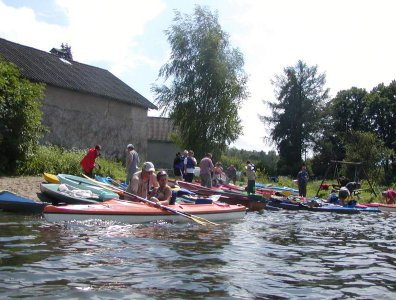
(25, 186)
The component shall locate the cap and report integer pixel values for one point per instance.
(130, 146)
(98, 147)
(148, 167)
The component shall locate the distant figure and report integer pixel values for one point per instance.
(206, 167)
(352, 186)
(343, 195)
(178, 166)
(217, 172)
(302, 179)
(183, 157)
(189, 166)
(163, 193)
(132, 162)
(88, 163)
(333, 197)
(251, 175)
(231, 174)
(143, 181)
(390, 196)
(343, 181)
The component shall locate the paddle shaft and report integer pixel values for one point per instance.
(197, 219)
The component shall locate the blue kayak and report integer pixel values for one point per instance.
(13, 203)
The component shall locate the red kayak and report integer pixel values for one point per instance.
(382, 206)
(140, 212)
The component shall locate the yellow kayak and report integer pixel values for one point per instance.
(51, 178)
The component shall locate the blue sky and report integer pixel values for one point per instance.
(351, 41)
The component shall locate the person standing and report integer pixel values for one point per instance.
(217, 172)
(88, 163)
(251, 175)
(143, 181)
(206, 167)
(132, 162)
(231, 174)
(302, 179)
(189, 166)
(178, 166)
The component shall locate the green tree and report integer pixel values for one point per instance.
(296, 116)
(208, 83)
(365, 147)
(20, 117)
(343, 115)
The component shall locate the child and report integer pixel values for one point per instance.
(389, 196)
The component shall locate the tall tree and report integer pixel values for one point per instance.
(208, 83)
(295, 119)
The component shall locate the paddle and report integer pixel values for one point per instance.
(196, 219)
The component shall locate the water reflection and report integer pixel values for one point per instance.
(277, 255)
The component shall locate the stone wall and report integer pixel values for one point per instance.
(78, 120)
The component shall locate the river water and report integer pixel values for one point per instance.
(273, 255)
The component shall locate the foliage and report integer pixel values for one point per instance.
(54, 159)
(295, 120)
(366, 148)
(208, 83)
(20, 117)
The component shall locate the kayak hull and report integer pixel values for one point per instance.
(138, 213)
(11, 202)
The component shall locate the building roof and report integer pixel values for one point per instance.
(41, 66)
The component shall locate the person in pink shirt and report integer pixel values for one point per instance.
(390, 196)
(206, 168)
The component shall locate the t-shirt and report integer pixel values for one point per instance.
(88, 161)
(250, 173)
(302, 177)
(206, 166)
(141, 188)
(132, 161)
(190, 163)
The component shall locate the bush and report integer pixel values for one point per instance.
(54, 159)
(20, 117)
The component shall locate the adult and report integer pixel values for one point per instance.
(251, 175)
(132, 162)
(189, 166)
(178, 166)
(205, 173)
(217, 172)
(231, 174)
(390, 196)
(143, 181)
(302, 179)
(88, 163)
(163, 193)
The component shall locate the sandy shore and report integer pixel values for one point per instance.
(26, 186)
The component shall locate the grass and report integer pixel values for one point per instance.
(55, 160)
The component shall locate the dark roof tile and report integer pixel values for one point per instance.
(41, 66)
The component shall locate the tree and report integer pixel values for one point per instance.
(295, 119)
(365, 147)
(208, 83)
(343, 115)
(20, 117)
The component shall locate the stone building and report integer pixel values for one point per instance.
(86, 105)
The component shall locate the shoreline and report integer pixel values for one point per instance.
(25, 186)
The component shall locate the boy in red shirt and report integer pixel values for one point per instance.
(88, 161)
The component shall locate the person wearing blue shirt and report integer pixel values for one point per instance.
(302, 179)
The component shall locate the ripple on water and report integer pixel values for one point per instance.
(271, 255)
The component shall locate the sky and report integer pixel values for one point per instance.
(351, 41)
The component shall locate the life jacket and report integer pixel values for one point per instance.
(190, 163)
